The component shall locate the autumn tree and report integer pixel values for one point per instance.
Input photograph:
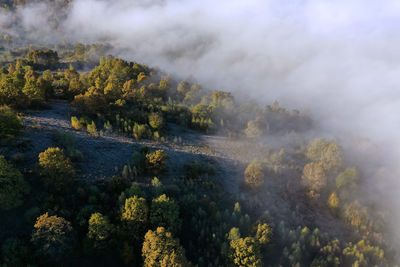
(161, 249)
(333, 203)
(253, 129)
(56, 170)
(263, 233)
(327, 153)
(13, 186)
(254, 175)
(314, 178)
(156, 162)
(53, 237)
(165, 212)
(245, 252)
(364, 254)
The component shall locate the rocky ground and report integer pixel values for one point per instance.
(105, 155)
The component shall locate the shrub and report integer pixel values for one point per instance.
(56, 169)
(65, 139)
(141, 131)
(156, 162)
(10, 123)
(13, 186)
(91, 128)
(76, 123)
(195, 170)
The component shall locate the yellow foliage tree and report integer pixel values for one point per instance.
(254, 176)
(56, 169)
(161, 249)
(314, 178)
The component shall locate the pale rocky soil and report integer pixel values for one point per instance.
(105, 155)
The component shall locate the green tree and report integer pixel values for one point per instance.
(100, 230)
(53, 237)
(348, 179)
(11, 90)
(46, 83)
(156, 121)
(34, 92)
(135, 216)
(15, 253)
(10, 123)
(161, 249)
(13, 186)
(44, 57)
(56, 170)
(157, 186)
(165, 212)
(183, 88)
(245, 252)
(254, 175)
(75, 87)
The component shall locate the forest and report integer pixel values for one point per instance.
(110, 162)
